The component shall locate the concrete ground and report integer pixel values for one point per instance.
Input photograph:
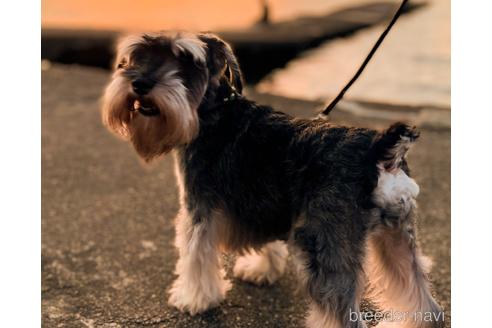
(107, 232)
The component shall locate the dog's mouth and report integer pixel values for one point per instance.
(145, 107)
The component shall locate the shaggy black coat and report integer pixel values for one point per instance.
(266, 169)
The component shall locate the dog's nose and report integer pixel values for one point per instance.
(142, 86)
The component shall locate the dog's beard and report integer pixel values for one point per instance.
(176, 123)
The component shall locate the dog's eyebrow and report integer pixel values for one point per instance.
(128, 44)
(192, 45)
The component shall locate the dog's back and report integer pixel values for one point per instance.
(265, 168)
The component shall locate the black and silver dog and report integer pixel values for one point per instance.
(260, 182)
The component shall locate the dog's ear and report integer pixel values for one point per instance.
(222, 61)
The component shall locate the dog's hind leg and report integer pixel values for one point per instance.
(398, 282)
(327, 252)
(264, 266)
(200, 284)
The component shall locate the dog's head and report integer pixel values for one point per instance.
(158, 84)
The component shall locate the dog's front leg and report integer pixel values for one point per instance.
(200, 284)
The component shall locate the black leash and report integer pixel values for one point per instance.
(339, 97)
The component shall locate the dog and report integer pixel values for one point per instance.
(263, 184)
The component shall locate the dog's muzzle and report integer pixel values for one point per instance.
(146, 108)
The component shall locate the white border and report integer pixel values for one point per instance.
(471, 163)
(20, 174)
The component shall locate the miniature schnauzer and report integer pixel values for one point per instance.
(260, 183)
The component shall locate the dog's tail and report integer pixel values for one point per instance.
(391, 146)
(395, 191)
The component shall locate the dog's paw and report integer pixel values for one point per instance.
(195, 299)
(257, 269)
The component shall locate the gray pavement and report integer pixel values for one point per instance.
(412, 66)
(107, 232)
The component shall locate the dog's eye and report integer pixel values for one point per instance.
(122, 64)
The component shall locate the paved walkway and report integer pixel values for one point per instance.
(107, 232)
(411, 68)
